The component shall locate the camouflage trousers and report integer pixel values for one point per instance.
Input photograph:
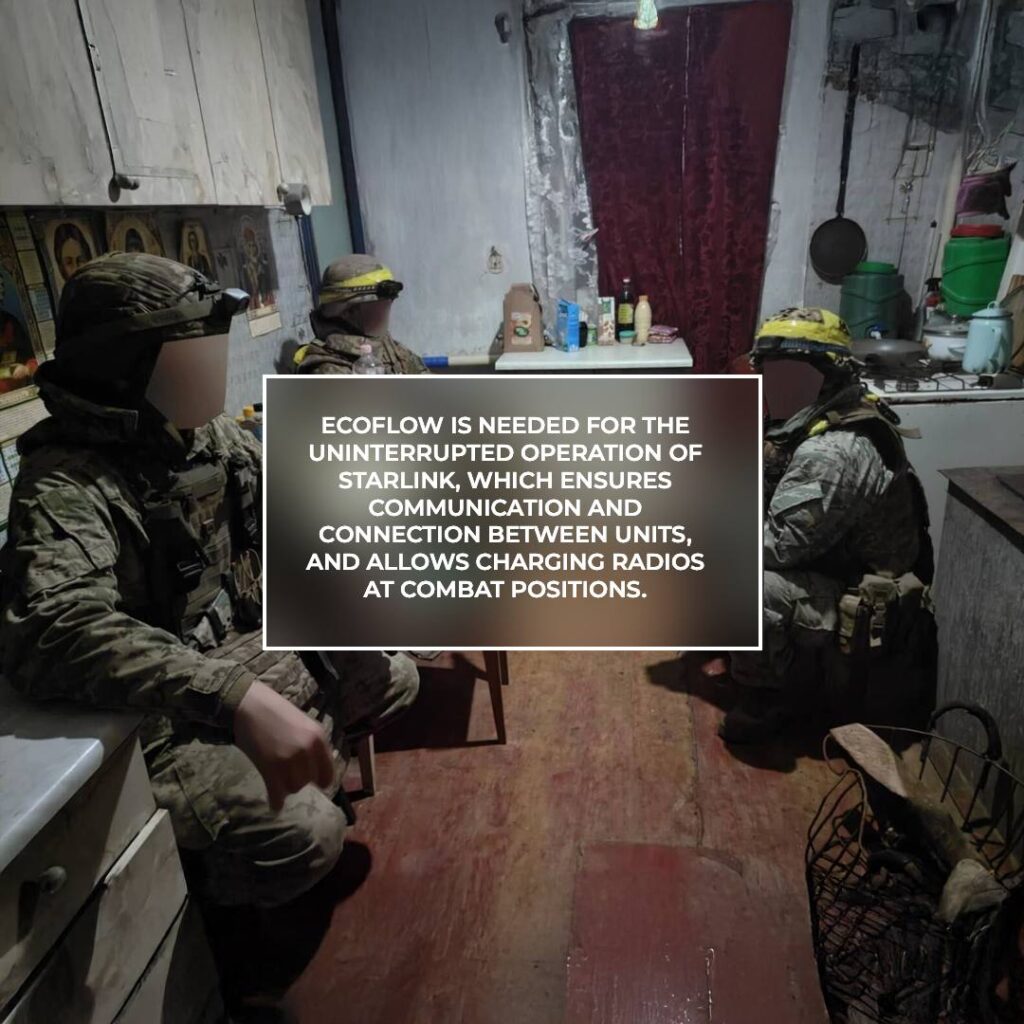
(241, 851)
(801, 611)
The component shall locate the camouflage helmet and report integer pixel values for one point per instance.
(351, 280)
(117, 311)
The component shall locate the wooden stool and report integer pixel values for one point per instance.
(495, 672)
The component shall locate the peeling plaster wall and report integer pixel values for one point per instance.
(435, 102)
(796, 162)
(907, 134)
(895, 196)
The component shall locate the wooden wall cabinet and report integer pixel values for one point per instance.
(200, 101)
(147, 91)
(53, 150)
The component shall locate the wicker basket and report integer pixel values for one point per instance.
(882, 954)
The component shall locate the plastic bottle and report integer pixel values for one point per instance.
(642, 319)
(625, 312)
(368, 363)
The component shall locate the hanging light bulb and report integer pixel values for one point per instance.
(646, 14)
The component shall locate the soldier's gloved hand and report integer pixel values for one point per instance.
(288, 748)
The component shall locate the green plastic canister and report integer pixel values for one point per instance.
(872, 296)
(972, 267)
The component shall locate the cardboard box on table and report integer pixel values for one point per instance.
(524, 330)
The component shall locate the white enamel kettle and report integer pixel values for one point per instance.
(989, 340)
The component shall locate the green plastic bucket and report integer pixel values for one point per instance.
(872, 295)
(972, 269)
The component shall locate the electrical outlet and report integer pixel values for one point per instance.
(495, 262)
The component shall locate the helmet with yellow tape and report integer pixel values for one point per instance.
(352, 280)
(805, 332)
(348, 283)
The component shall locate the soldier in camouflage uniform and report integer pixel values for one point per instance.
(354, 310)
(842, 506)
(131, 580)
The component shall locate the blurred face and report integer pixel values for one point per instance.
(789, 386)
(190, 379)
(372, 317)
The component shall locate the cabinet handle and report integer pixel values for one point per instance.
(52, 880)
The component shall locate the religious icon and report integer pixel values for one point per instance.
(255, 263)
(20, 343)
(68, 243)
(134, 232)
(195, 249)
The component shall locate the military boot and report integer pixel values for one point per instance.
(759, 715)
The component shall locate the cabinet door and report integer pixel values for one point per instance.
(144, 76)
(82, 841)
(53, 149)
(97, 962)
(226, 54)
(291, 77)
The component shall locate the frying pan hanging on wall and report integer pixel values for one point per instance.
(838, 245)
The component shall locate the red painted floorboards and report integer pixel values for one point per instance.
(581, 872)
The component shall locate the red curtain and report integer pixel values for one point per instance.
(679, 128)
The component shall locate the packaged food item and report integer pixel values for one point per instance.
(606, 320)
(524, 331)
(567, 328)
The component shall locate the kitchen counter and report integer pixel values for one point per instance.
(599, 358)
(977, 600)
(960, 426)
(986, 490)
(46, 755)
(95, 922)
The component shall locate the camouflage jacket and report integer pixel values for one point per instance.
(80, 617)
(338, 353)
(848, 503)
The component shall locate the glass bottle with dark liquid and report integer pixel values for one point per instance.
(626, 312)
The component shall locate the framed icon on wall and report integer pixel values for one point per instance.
(134, 232)
(67, 241)
(194, 249)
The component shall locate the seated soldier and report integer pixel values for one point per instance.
(354, 309)
(846, 542)
(131, 580)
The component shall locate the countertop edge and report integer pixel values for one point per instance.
(73, 742)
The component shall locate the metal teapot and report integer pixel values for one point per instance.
(989, 340)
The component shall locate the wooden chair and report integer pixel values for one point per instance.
(495, 672)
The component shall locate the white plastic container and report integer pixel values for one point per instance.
(642, 321)
(368, 363)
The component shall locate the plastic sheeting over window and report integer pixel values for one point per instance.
(558, 214)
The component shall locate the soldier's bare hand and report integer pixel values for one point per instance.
(288, 748)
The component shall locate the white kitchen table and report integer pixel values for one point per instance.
(673, 357)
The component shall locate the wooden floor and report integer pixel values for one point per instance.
(614, 863)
